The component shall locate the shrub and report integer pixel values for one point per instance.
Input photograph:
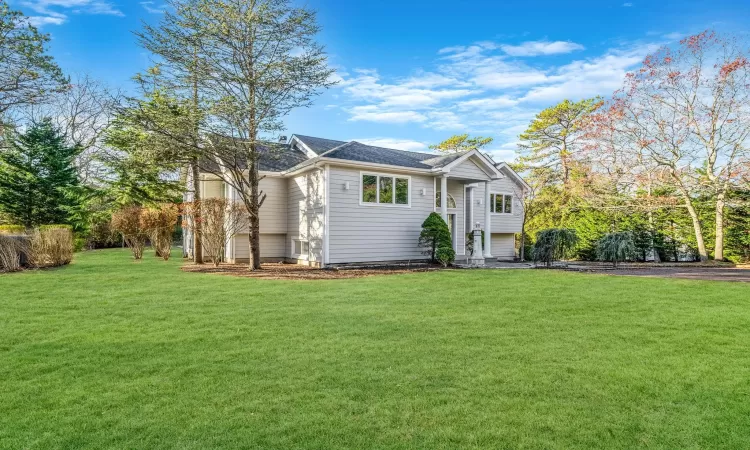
(616, 247)
(127, 222)
(435, 235)
(12, 229)
(79, 244)
(445, 256)
(51, 246)
(220, 219)
(554, 244)
(101, 234)
(11, 250)
(159, 223)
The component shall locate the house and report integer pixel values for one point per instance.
(332, 202)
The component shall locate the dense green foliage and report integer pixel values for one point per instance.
(462, 143)
(554, 244)
(435, 235)
(616, 247)
(38, 180)
(157, 358)
(27, 73)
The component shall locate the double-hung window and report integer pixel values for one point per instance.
(501, 203)
(381, 189)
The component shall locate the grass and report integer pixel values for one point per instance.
(107, 353)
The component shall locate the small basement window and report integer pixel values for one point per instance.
(301, 247)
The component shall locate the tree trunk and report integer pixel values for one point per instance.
(254, 237)
(719, 244)
(197, 241)
(697, 228)
(652, 233)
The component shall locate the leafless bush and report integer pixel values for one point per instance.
(127, 221)
(220, 219)
(159, 224)
(11, 249)
(50, 247)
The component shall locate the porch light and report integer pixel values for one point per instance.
(346, 186)
(423, 192)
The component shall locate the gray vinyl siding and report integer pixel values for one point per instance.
(305, 212)
(273, 213)
(469, 170)
(503, 246)
(271, 246)
(362, 233)
(500, 223)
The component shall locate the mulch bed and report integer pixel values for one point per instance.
(297, 272)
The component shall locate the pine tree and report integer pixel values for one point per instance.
(38, 180)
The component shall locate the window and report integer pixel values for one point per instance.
(451, 200)
(501, 203)
(385, 190)
(301, 247)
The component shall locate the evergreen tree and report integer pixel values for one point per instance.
(38, 180)
(435, 235)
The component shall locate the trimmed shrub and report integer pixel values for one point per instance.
(12, 249)
(554, 244)
(127, 222)
(12, 229)
(445, 256)
(435, 235)
(615, 247)
(50, 246)
(159, 223)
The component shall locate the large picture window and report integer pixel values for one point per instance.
(385, 189)
(501, 203)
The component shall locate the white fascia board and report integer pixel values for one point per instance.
(357, 165)
(514, 174)
(308, 150)
(489, 166)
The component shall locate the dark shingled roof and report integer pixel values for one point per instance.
(318, 145)
(356, 151)
(273, 158)
(282, 157)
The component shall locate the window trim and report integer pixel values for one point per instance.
(377, 183)
(302, 256)
(492, 203)
(450, 197)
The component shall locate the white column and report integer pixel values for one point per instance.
(444, 197)
(487, 222)
(470, 200)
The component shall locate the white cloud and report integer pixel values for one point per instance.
(40, 21)
(372, 113)
(399, 144)
(534, 48)
(483, 89)
(588, 78)
(151, 8)
(487, 103)
(50, 10)
(627, 5)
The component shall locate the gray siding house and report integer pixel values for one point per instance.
(333, 202)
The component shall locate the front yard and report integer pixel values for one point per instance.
(111, 353)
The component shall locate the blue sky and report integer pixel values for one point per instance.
(415, 72)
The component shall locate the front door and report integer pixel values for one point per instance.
(453, 229)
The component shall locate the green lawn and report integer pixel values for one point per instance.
(111, 353)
